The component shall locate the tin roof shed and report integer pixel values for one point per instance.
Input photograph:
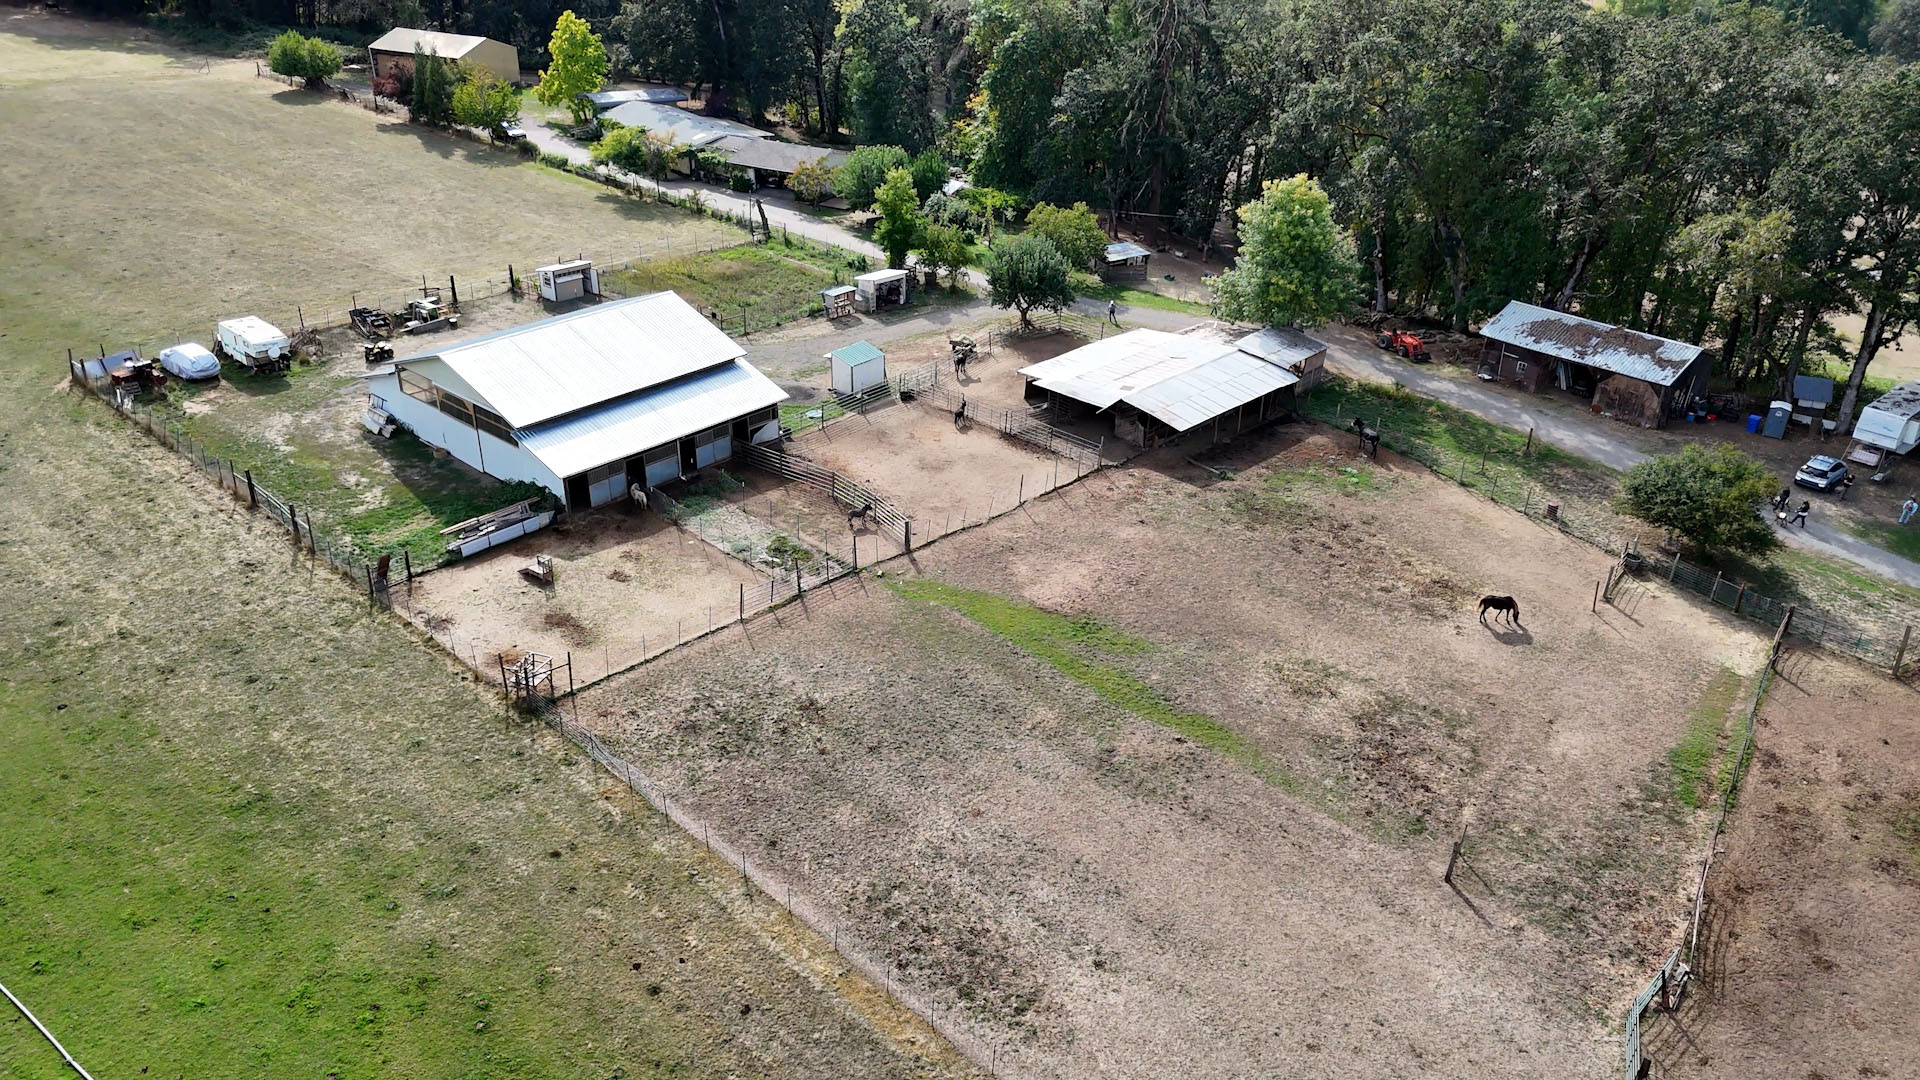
(1182, 380)
(1637, 355)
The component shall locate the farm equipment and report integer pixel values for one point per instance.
(377, 352)
(1406, 343)
(371, 323)
(427, 313)
(130, 371)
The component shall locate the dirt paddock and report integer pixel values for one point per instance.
(1158, 776)
(1811, 964)
(941, 474)
(626, 585)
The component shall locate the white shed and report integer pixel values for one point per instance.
(880, 288)
(568, 280)
(856, 367)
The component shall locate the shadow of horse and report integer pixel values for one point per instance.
(1516, 635)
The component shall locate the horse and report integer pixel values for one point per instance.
(1505, 605)
(860, 515)
(1369, 438)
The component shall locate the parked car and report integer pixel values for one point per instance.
(1821, 473)
(510, 132)
(190, 360)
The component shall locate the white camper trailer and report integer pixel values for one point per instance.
(253, 343)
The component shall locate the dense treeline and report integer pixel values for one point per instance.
(1714, 171)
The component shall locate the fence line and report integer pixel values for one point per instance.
(35, 1021)
(870, 958)
(848, 493)
(1670, 981)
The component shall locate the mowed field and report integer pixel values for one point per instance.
(1157, 776)
(247, 827)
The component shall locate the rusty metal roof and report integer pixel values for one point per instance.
(1648, 357)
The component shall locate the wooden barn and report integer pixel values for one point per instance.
(392, 54)
(1640, 378)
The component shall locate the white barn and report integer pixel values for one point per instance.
(640, 391)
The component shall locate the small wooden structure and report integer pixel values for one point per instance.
(1125, 261)
(837, 301)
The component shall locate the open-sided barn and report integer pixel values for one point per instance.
(1637, 377)
(1158, 386)
(588, 404)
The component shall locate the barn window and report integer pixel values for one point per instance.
(416, 387)
(457, 407)
(1519, 367)
(493, 424)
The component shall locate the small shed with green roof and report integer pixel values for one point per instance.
(857, 367)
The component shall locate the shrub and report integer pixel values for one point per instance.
(300, 57)
(811, 181)
(864, 171)
(552, 160)
(929, 171)
(1074, 230)
(636, 150)
(481, 101)
(954, 213)
(1711, 498)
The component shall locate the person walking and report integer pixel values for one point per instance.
(1780, 500)
(1113, 312)
(1800, 515)
(1908, 509)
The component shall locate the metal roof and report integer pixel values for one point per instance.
(570, 362)
(1181, 380)
(401, 39)
(1125, 250)
(773, 155)
(860, 352)
(837, 290)
(684, 127)
(1813, 389)
(1626, 352)
(633, 425)
(1281, 345)
(881, 277)
(659, 95)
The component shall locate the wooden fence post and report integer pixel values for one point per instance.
(1454, 857)
(1901, 655)
(1715, 594)
(1595, 607)
(1674, 569)
(907, 526)
(1737, 600)
(253, 497)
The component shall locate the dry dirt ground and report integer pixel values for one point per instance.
(1812, 947)
(248, 828)
(626, 585)
(1157, 776)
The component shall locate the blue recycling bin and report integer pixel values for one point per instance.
(1753, 424)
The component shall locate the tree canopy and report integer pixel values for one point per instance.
(864, 171)
(484, 102)
(1296, 267)
(636, 150)
(1074, 231)
(1027, 272)
(811, 181)
(578, 66)
(898, 229)
(434, 79)
(1710, 498)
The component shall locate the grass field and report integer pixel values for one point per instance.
(249, 828)
(763, 285)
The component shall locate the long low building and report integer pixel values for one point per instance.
(1637, 377)
(392, 54)
(1157, 386)
(636, 392)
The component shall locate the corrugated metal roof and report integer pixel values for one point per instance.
(659, 95)
(684, 127)
(774, 155)
(1626, 352)
(569, 362)
(402, 39)
(1281, 345)
(860, 352)
(837, 290)
(1125, 250)
(621, 429)
(1179, 379)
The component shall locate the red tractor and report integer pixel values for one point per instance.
(1406, 343)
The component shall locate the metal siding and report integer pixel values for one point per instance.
(1647, 357)
(625, 428)
(682, 126)
(546, 369)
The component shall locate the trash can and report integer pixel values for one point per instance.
(1753, 423)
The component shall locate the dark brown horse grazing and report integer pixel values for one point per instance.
(1506, 605)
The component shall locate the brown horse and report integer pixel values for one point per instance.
(1505, 605)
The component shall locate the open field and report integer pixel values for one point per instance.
(1814, 909)
(763, 285)
(1157, 775)
(249, 829)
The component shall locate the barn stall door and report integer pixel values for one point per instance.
(606, 483)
